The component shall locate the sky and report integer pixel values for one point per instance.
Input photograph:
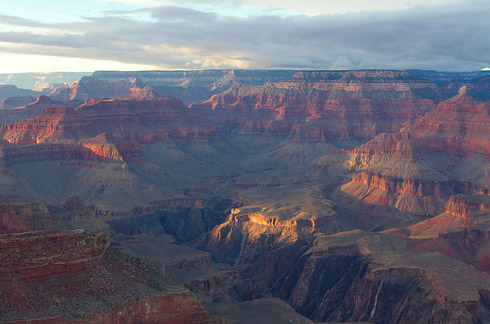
(48, 36)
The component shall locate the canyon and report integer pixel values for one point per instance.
(240, 196)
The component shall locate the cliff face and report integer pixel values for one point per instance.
(18, 215)
(13, 102)
(431, 159)
(465, 205)
(100, 137)
(266, 176)
(8, 90)
(40, 255)
(341, 104)
(357, 276)
(87, 282)
(87, 87)
(189, 86)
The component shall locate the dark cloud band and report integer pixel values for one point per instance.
(451, 37)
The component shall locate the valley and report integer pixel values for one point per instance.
(225, 196)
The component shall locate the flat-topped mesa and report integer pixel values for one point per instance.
(43, 254)
(357, 75)
(89, 87)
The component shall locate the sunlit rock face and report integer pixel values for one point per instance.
(443, 153)
(350, 195)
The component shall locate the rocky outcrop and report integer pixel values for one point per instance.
(19, 215)
(26, 110)
(13, 102)
(54, 151)
(35, 256)
(341, 104)
(173, 308)
(464, 205)
(357, 276)
(429, 160)
(87, 282)
(55, 123)
(87, 87)
(461, 212)
(243, 238)
(9, 90)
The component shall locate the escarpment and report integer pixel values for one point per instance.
(150, 197)
(430, 160)
(357, 276)
(38, 255)
(341, 105)
(73, 277)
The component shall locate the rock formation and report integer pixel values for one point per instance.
(419, 168)
(350, 195)
(336, 104)
(13, 102)
(72, 277)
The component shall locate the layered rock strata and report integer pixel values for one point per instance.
(437, 157)
(87, 282)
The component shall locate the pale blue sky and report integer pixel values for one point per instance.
(43, 36)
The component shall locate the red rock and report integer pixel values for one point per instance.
(87, 282)
(460, 127)
(347, 104)
(18, 215)
(35, 256)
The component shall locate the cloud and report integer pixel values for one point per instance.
(450, 37)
